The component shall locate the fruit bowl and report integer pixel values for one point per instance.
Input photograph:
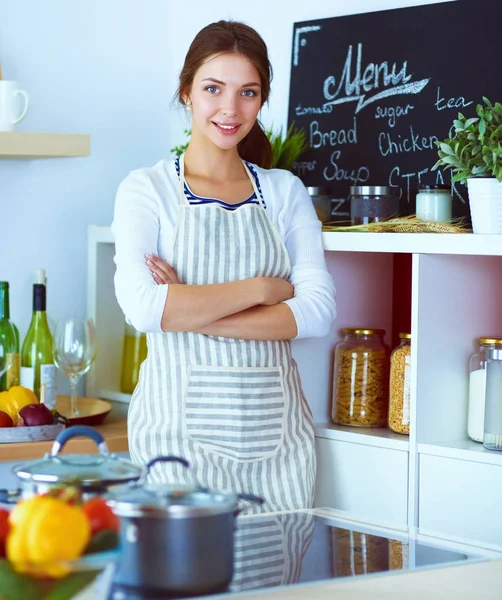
(9, 435)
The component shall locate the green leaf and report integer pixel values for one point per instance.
(449, 160)
(68, 588)
(107, 539)
(478, 171)
(446, 148)
(14, 586)
(470, 122)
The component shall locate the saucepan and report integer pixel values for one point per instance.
(92, 473)
(175, 539)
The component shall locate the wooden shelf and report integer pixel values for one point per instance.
(414, 243)
(369, 436)
(16, 144)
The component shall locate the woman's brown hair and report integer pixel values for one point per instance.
(221, 38)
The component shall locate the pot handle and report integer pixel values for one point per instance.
(159, 459)
(10, 496)
(76, 431)
(248, 498)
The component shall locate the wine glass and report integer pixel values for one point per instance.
(74, 350)
(7, 348)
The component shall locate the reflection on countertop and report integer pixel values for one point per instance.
(284, 549)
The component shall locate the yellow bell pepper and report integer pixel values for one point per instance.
(12, 401)
(45, 534)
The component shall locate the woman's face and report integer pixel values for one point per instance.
(226, 99)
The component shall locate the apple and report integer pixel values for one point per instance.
(35, 414)
(5, 420)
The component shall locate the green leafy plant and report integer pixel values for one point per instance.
(476, 148)
(285, 148)
(178, 150)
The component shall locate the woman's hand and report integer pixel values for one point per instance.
(162, 272)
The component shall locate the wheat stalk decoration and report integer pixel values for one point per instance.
(408, 224)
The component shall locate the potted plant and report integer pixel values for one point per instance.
(474, 154)
(285, 148)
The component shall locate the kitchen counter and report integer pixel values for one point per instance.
(113, 429)
(322, 554)
(465, 582)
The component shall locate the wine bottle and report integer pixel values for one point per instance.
(37, 364)
(12, 376)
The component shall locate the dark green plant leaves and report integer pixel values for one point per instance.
(287, 148)
(476, 148)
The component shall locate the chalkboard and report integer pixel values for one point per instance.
(374, 91)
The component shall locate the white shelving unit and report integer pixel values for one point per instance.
(434, 482)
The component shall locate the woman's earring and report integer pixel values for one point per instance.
(189, 104)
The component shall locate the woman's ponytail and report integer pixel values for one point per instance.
(255, 147)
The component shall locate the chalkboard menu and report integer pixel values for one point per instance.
(375, 91)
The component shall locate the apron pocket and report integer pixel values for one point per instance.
(236, 412)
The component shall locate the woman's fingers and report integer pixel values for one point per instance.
(159, 279)
(161, 271)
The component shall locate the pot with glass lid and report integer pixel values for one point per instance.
(175, 539)
(91, 473)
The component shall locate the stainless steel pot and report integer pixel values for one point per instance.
(92, 473)
(175, 539)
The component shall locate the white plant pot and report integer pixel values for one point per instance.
(485, 203)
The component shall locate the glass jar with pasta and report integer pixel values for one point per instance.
(361, 379)
(399, 386)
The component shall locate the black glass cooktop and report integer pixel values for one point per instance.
(302, 547)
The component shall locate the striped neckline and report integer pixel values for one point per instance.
(195, 200)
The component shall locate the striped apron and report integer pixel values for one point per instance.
(269, 549)
(233, 408)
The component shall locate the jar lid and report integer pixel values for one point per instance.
(485, 341)
(360, 331)
(405, 336)
(318, 191)
(434, 188)
(372, 190)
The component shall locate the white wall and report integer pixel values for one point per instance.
(109, 68)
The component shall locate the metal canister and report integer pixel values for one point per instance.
(372, 203)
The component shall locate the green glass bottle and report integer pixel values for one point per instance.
(37, 364)
(12, 377)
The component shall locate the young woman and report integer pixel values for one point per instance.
(219, 259)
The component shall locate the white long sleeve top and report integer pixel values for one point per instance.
(145, 218)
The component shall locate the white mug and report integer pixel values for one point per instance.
(10, 107)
